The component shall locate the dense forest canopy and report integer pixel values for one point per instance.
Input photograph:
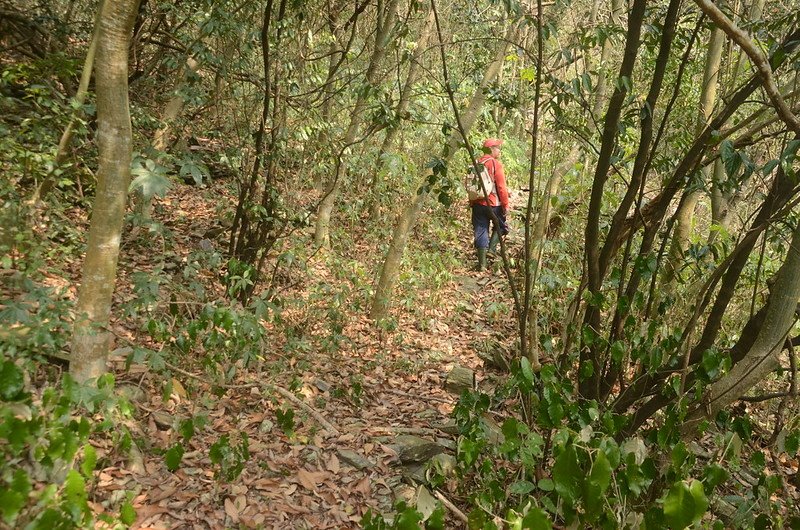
(243, 285)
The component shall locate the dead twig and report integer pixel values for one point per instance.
(308, 408)
(414, 396)
(450, 506)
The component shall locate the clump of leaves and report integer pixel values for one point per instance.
(405, 518)
(229, 459)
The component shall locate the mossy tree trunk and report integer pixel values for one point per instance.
(90, 340)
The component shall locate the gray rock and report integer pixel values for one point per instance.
(459, 379)
(415, 449)
(448, 427)
(441, 464)
(354, 459)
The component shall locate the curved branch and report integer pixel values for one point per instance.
(759, 60)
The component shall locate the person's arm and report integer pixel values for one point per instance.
(500, 184)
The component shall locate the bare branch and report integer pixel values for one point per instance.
(759, 60)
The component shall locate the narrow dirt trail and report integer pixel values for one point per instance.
(374, 387)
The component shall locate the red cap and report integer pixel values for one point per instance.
(492, 142)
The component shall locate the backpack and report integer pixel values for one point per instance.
(472, 182)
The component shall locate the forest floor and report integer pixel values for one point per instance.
(372, 388)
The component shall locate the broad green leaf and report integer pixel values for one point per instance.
(89, 460)
(408, 519)
(521, 487)
(151, 184)
(436, 520)
(536, 519)
(527, 370)
(685, 504)
(700, 499)
(75, 488)
(546, 484)
(567, 474)
(596, 485)
(14, 498)
(127, 514)
(679, 506)
(173, 456)
(11, 381)
(714, 476)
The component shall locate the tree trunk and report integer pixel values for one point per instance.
(762, 357)
(685, 216)
(174, 106)
(391, 264)
(589, 364)
(90, 340)
(80, 97)
(402, 109)
(172, 110)
(385, 26)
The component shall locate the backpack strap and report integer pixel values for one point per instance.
(493, 172)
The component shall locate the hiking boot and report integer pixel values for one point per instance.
(481, 259)
(493, 242)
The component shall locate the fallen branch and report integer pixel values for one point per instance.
(414, 396)
(450, 506)
(405, 430)
(308, 408)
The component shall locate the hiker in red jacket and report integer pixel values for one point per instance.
(497, 204)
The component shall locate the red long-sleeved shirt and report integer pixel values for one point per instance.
(500, 195)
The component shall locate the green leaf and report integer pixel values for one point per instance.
(527, 74)
(714, 476)
(769, 167)
(173, 456)
(436, 520)
(617, 351)
(408, 519)
(546, 484)
(792, 443)
(685, 504)
(150, 185)
(89, 460)
(11, 381)
(14, 498)
(75, 489)
(567, 474)
(536, 519)
(596, 485)
(196, 171)
(679, 506)
(127, 514)
(730, 158)
(527, 370)
(187, 429)
(521, 487)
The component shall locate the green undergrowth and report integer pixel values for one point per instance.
(569, 465)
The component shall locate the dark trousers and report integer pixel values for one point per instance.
(481, 218)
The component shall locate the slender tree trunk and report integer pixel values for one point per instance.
(601, 89)
(172, 110)
(90, 340)
(385, 26)
(80, 97)
(685, 215)
(391, 264)
(402, 108)
(589, 368)
(174, 106)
